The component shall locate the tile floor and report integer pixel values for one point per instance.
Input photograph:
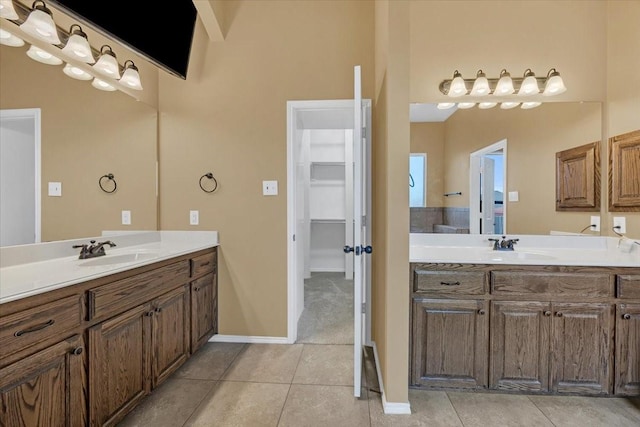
(309, 385)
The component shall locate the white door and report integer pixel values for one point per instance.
(487, 197)
(19, 177)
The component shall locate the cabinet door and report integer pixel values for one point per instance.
(46, 388)
(170, 338)
(581, 348)
(520, 333)
(628, 349)
(203, 310)
(449, 343)
(119, 365)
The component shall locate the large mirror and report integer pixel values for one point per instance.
(84, 134)
(524, 197)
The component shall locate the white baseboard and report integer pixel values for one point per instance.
(390, 408)
(249, 339)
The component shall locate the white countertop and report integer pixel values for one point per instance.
(28, 270)
(529, 250)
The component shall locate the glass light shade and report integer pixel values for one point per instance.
(40, 24)
(76, 73)
(466, 105)
(78, 47)
(530, 105)
(8, 39)
(487, 105)
(42, 56)
(554, 86)
(529, 86)
(480, 85)
(7, 11)
(131, 78)
(108, 64)
(445, 105)
(457, 87)
(504, 86)
(509, 105)
(102, 85)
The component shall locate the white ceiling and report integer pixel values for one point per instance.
(429, 113)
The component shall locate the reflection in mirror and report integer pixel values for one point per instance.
(533, 137)
(85, 134)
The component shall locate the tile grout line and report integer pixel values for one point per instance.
(290, 384)
(454, 408)
(541, 411)
(244, 346)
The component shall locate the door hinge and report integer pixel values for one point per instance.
(364, 132)
(364, 220)
(294, 237)
(364, 308)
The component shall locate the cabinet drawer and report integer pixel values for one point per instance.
(39, 324)
(450, 282)
(555, 284)
(116, 297)
(628, 286)
(203, 264)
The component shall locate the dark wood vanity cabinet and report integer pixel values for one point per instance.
(139, 327)
(627, 377)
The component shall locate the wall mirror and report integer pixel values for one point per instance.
(531, 139)
(85, 133)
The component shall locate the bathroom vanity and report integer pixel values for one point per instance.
(82, 342)
(559, 316)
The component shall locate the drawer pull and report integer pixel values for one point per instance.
(34, 329)
(158, 310)
(558, 314)
(149, 313)
(481, 312)
(626, 316)
(77, 351)
(547, 313)
(450, 283)
(204, 264)
(196, 289)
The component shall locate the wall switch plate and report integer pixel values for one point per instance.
(55, 189)
(126, 217)
(621, 222)
(514, 196)
(595, 223)
(194, 217)
(269, 188)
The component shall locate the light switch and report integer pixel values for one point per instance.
(269, 188)
(194, 217)
(514, 196)
(126, 217)
(55, 189)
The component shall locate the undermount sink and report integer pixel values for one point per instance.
(508, 255)
(118, 259)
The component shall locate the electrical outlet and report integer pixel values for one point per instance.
(194, 217)
(620, 221)
(595, 223)
(269, 188)
(126, 217)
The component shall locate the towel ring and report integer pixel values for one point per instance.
(111, 178)
(210, 176)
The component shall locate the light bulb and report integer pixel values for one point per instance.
(554, 84)
(530, 105)
(40, 24)
(505, 84)
(130, 77)
(107, 63)
(42, 56)
(78, 46)
(102, 85)
(457, 87)
(509, 105)
(487, 105)
(445, 105)
(76, 73)
(480, 85)
(466, 105)
(529, 85)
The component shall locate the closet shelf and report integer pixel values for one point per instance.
(327, 182)
(327, 163)
(328, 220)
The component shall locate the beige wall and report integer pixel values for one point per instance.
(229, 118)
(391, 207)
(429, 138)
(86, 133)
(622, 110)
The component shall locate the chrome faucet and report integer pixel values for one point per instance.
(504, 244)
(93, 249)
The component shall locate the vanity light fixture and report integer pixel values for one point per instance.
(445, 105)
(509, 105)
(131, 77)
(480, 85)
(40, 23)
(8, 39)
(487, 105)
(43, 56)
(107, 63)
(505, 84)
(78, 45)
(102, 85)
(466, 105)
(554, 84)
(76, 73)
(529, 85)
(458, 86)
(530, 105)
(7, 11)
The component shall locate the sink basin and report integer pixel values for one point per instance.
(118, 259)
(516, 255)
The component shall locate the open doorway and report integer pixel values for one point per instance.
(487, 186)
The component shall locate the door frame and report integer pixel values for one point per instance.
(35, 115)
(474, 184)
(293, 297)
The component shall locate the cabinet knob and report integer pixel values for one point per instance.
(547, 313)
(196, 289)
(481, 312)
(626, 316)
(558, 314)
(158, 310)
(149, 313)
(77, 351)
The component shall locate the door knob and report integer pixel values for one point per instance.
(367, 249)
(347, 249)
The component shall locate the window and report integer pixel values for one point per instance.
(418, 180)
